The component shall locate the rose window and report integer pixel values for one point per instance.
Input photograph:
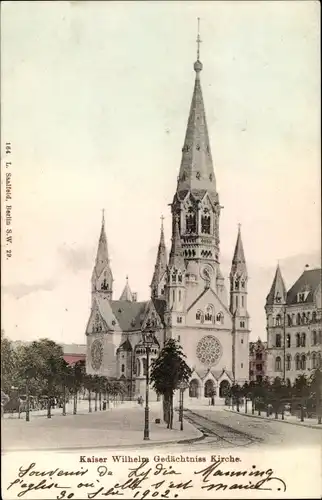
(209, 350)
(97, 354)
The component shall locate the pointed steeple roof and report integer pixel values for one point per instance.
(102, 257)
(161, 262)
(238, 265)
(127, 294)
(176, 254)
(196, 170)
(277, 294)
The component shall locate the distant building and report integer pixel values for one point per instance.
(294, 335)
(72, 352)
(257, 360)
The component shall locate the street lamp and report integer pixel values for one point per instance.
(148, 339)
(182, 386)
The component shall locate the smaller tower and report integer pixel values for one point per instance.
(238, 308)
(127, 295)
(275, 324)
(102, 277)
(159, 276)
(176, 287)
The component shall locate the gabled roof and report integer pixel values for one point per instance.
(129, 315)
(160, 307)
(309, 281)
(126, 346)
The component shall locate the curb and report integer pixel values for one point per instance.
(313, 426)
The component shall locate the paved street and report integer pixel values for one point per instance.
(123, 426)
(119, 426)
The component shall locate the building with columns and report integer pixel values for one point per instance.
(189, 300)
(294, 334)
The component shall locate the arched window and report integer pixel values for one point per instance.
(298, 340)
(199, 317)
(288, 340)
(242, 300)
(180, 278)
(237, 284)
(205, 221)
(314, 317)
(314, 360)
(318, 360)
(288, 362)
(303, 362)
(179, 295)
(303, 340)
(173, 296)
(278, 320)
(144, 366)
(123, 368)
(278, 340)
(320, 337)
(191, 221)
(174, 276)
(314, 338)
(298, 319)
(297, 362)
(289, 320)
(220, 318)
(138, 368)
(278, 364)
(209, 314)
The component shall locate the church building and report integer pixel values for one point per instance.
(189, 300)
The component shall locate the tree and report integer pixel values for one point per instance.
(79, 377)
(167, 371)
(8, 363)
(316, 392)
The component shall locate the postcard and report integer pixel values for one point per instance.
(161, 276)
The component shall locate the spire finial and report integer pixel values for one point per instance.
(198, 65)
(162, 219)
(127, 278)
(198, 40)
(103, 216)
(239, 227)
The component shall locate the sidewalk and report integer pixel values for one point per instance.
(288, 419)
(120, 427)
(82, 408)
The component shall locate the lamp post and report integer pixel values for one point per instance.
(182, 386)
(148, 339)
(64, 397)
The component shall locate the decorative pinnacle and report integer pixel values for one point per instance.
(198, 65)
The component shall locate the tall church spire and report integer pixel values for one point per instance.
(157, 285)
(196, 170)
(277, 293)
(102, 257)
(102, 278)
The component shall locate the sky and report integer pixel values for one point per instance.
(95, 101)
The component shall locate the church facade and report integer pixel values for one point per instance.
(189, 300)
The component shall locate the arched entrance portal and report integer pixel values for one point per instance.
(194, 388)
(209, 390)
(224, 388)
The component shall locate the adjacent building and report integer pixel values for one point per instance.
(294, 334)
(189, 300)
(257, 360)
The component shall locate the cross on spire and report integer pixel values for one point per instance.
(199, 41)
(162, 219)
(103, 216)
